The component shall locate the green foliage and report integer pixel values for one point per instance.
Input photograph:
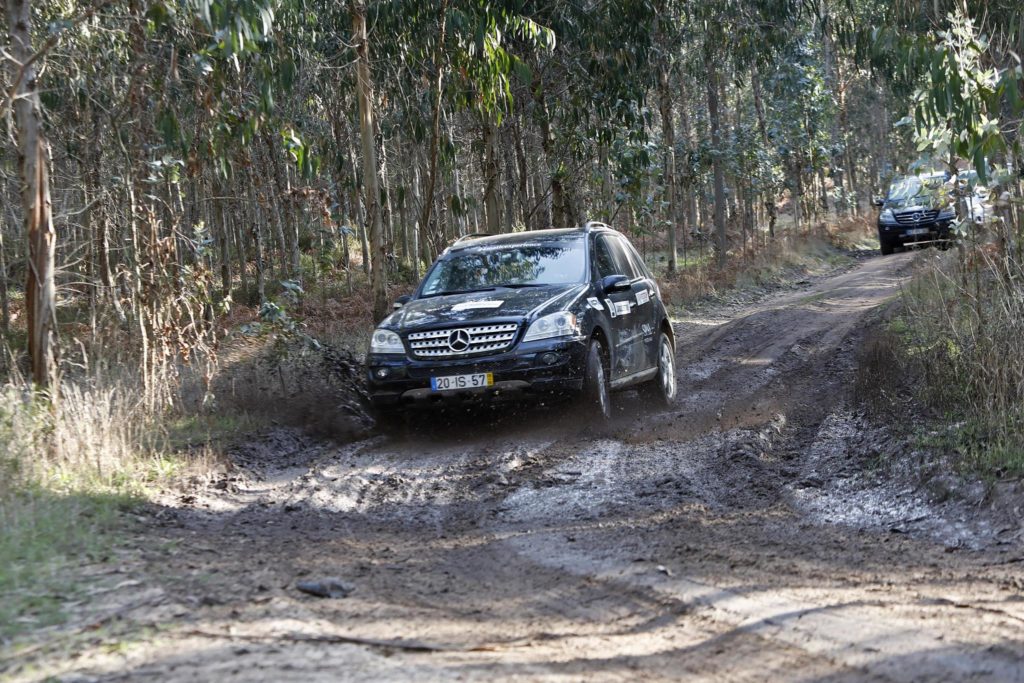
(44, 538)
(962, 89)
(64, 477)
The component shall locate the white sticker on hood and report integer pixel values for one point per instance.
(595, 303)
(642, 297)
(623, 308)
(470, 305)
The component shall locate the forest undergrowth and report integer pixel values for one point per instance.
(948, 367)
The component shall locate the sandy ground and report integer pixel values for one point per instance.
(752, 533)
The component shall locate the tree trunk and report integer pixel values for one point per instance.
(692, 220)
(385, 199)
(273, 201)
(798, 193)
(669, 134)
(5, 304)
(359, 213)
(522, 173)
(491, 173)
(510, 190)
(223, 238)
(371, 181)
(403, 216)
(435, 130)
(762, 127)
(33, 163)
(717, 166)
(256, 230)
(556, 218)
(416, 226)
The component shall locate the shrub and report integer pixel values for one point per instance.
(965, 327)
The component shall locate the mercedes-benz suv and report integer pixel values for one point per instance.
(528, 314)
(914, 211)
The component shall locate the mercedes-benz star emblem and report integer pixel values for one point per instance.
(458, 341)
(916, 217)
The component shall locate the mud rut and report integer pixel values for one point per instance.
(740, 536)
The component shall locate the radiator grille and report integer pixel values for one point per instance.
(462, 341)
(916, 217)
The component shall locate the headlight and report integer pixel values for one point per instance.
(947, 212)
(887, 216)
(554, 325)
(386, 341)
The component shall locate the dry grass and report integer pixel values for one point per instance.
(701, 277)
(65, 475)
(964, 335)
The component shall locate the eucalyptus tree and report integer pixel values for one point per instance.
(34, 171)
(371, 179)
(669, 43)
(734, 36)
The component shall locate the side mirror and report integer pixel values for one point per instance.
(401, 301)
(878, 201)
(614, 283)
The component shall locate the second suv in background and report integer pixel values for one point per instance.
(916, 209)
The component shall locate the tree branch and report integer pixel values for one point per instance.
(48, 45)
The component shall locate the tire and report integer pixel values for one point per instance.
(886, 246)
(662, 390)
(595, 400)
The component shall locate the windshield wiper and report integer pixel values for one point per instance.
(520, 285)
(458, 291)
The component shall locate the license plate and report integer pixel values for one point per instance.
(455, 382)
(918, 231)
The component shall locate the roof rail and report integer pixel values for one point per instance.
(472, 236)
(590, 225)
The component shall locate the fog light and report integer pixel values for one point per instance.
(549, 358)
(382, 373)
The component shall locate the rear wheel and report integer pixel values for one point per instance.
(663, 388)
(595, 399)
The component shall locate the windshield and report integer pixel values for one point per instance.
(530, 264)
(904, 190)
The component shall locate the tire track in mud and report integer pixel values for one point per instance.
(729, 538)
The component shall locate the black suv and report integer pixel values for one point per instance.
(528, 314)
(914, 211)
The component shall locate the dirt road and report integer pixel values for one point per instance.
(750, 534)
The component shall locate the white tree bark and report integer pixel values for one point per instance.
(371, 178)
(33, 163)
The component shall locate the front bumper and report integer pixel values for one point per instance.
(900, 233)
(530, 370)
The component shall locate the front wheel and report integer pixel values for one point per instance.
(595, 399)
(886, 246)
(663, 388)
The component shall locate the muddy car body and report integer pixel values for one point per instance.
(531, 314)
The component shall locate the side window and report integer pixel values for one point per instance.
(604, 261)
(636, 260)
(619, 249)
